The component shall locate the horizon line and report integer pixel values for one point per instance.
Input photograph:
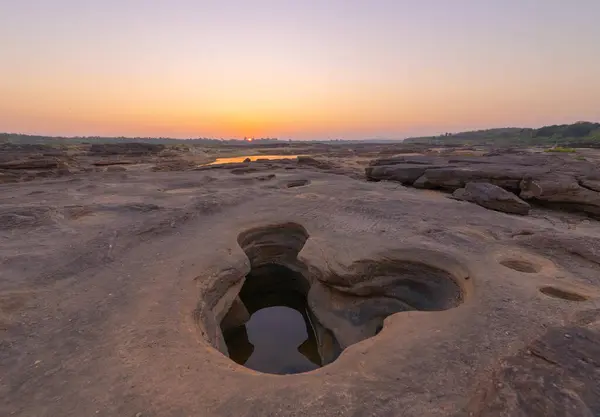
(64, 137)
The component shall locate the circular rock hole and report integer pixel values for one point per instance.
(278, 336)
(284, 320)
(269, 327)
(555, 292)
(521, 266)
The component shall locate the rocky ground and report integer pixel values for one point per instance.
(445, 297)
(553, 180)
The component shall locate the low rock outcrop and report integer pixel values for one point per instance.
(131, 149)
(30, 163)
(492, 197)
(558, 181)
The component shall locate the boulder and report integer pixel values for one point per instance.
(492, 197)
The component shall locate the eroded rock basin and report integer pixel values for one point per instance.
(289, 317)
(278, 338)
(117, 295)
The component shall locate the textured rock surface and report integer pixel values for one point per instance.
(404, 173)
(491, 196)
(560, 181)
(114, 286)
(131, 149)
(556, 375)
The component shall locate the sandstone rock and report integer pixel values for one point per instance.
(220, 166)
(591, 184)
(297, 183)
(236, 316)
(453, 177)
(416, 160)
(21, 217)
(265, 177)
(241, 171)
(307, 160)
(45, 163)
(115, 168)
(561, 191)
(353, 318)
(174, 165)
(114, 161)
(553, 180)
(404, 173)
(555, 376)
(6, 177)
(137, 295)
(492, 197)
(127, 148)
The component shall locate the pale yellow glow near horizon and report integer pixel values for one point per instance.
(73, 106)
(294, 71)
(247, 113)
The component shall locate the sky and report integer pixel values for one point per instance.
(295, 69)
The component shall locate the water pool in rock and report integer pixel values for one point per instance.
(276, 340)
(278, 336)
(269, 325)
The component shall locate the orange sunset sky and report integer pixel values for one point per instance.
(295, 69)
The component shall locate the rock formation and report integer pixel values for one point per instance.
(491, 196)
(118, 288)
(559, 181)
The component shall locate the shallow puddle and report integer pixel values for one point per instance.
(238, 159)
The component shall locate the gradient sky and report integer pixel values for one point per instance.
(299, 69)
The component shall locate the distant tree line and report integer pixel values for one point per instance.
(18, 138)
(575, 130)
(576, 134)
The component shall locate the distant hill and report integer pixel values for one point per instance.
(580, 134)
(583, 134)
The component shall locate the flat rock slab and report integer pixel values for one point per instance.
(114, 284)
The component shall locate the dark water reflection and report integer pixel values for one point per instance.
(276, 340)
(279, 337)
